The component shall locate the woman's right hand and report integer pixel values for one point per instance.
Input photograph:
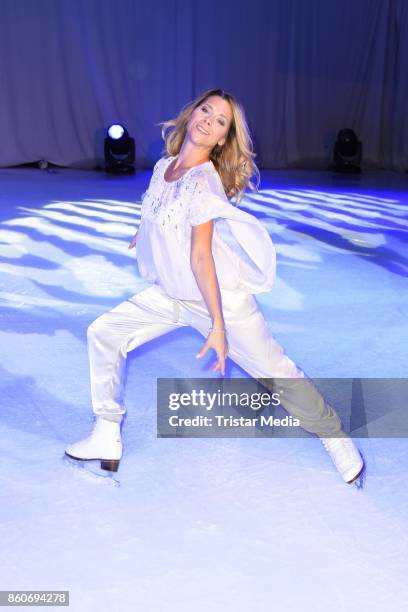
(133, 242)
(216, 340)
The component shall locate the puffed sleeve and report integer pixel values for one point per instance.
(158, 163)
(250, 237)
(154, 179)
(207, 199)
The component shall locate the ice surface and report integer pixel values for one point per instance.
(199, 524)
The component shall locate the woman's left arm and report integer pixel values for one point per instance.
(203, 267)
(133, 242)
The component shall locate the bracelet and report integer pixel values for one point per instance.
(224, 331)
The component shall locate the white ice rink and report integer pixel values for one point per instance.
(199, 525)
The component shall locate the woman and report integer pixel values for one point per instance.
(201, 280)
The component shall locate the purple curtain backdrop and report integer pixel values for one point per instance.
(302, 68)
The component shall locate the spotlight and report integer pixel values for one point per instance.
(119, 150)
(348, 151)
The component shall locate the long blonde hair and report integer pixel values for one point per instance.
(234, 161)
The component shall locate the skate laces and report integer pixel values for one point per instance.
(341, 449)
(329, 443)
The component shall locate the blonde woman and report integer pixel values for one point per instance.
(199, 279)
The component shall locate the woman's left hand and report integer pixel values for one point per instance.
(216, 340)
(133, 242)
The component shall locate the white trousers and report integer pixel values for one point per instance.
(152, 313)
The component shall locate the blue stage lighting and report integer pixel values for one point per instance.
(116, 131)
(348, 151)
(119, 150)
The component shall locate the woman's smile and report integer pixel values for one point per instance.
(202, 130)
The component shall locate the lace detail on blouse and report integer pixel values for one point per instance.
(169, 204)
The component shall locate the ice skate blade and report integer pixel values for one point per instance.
(112, 465)
(359, 480)
(87, 470)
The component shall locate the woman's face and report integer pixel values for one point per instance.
(210, 121)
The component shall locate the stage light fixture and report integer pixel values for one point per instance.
(116, 131)
(348, 151)
(119, 150)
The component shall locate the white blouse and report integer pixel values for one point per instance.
(243, 252)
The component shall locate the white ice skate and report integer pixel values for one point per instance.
(346, 457)
(104, 444)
